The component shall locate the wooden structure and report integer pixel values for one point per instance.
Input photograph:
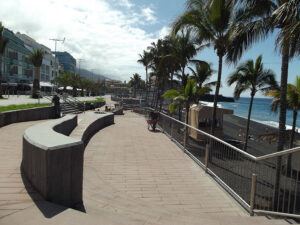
(200, 116)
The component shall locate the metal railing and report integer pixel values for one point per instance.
(268, 184)
(67, 99)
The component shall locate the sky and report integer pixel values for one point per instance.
(109, 34)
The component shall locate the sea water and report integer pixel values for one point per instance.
(261, 111)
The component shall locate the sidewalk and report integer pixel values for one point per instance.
(25, 99)
(149, 168)
(131, 176)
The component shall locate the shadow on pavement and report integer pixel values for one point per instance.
(48, 209)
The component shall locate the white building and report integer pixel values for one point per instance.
(50, 66)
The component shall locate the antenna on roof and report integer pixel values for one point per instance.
(57, 40)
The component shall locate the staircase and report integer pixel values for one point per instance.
(69, 104)
(67, 108)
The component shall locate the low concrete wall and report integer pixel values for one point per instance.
(103, 121)
(118, 111)
(90, 106)
(53, 162)
(25, 115)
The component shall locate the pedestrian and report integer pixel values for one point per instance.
(56, 102)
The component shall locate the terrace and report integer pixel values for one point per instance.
(131, 176)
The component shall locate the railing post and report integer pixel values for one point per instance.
(163, 126)
(171, 132)
(206, 156)
(253, 193)
(185, 137)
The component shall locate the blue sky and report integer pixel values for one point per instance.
(167, 12)
(109, 34)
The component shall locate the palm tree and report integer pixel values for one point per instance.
(265, 16)
(36, 58)
(202, 73)
(160, 68)
(185, 97)
(3, 44)
(63, 80)
(74, 82)
(183, 49)
(146, 60)
(293, 103)
(253, 77)
(135, 82)
(212, 22)
(168, 59)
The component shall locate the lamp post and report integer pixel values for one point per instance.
(79, 61)
(55, 49)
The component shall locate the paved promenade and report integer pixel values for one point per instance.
(148, 167)
(13, 194)
(131, 176)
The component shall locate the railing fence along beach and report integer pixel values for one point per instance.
(267, 184)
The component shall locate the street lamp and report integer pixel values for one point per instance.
(55, 49)
(79, 61)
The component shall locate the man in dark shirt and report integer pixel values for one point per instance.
(56, 102)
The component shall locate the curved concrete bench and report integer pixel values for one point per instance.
(53, 162)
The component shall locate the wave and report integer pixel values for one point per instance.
(275, 124)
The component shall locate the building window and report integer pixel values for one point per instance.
(13, 70)
(13, 55)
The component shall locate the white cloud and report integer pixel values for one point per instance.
(108, 39)
(164, 31)
(126, 3)
(149, 15)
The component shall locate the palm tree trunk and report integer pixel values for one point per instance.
(1, 91)
(282, 118)
(74, 91)
(186, 132)
(184, 79)
(214, 115)
(248, 122)
(157, 98)
(153, 96)
(134, 92)
(147, 85)
(36, 83)
(179, 113)
(283, 105)
(289, 159)
(295, 114)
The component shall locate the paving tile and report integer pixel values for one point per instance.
(131, 176)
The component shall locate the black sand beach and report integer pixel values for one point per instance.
(262, 138)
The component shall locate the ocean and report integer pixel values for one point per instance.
(261, 111)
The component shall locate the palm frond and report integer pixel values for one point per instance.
(171, 94)
(36, 57)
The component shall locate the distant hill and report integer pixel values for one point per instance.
(221, 98)
(92, 76)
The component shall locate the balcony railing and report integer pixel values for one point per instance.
(268, 184)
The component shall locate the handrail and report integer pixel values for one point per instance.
(268, 194)
(260, 158)
(276, 154)
(213, 137)
(74, 99)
